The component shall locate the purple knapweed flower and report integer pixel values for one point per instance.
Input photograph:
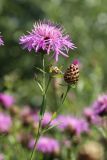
(100, 105)
(91, 117)
(6, 100)
(73, 125)
(1, 41)
(47, 119)
(47, 37)
(46, 145)
(83, 126)
(5, 122)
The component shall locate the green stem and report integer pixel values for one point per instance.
(60, 105)
(42, 109)
(37, 138)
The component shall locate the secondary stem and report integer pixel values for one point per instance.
(60, 105)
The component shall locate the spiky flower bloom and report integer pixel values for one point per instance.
(47, 37)
(1, 41)
(100, 105)
(6, 100)
(46, 145)
(5, 122)
(71, 75)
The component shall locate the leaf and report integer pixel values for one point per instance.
(40, 86)
(38, 83)
(54, 115)
(58, 75)
(62, 95)
(50, 128)
(41, 70)
(101, 131)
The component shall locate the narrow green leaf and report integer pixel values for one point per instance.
(41, 70)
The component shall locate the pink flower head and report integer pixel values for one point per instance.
(100, 106)
(1, 41)
(46, 145)
(48, 37)
(91, 116)
(47, 119)
(72, 124)
(6, 100)
(5, 122)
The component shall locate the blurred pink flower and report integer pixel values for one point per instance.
(26, 111)
(26, 115)
(47, 119)
(100, 105)
(72, 124)
(1, 41)
(91, 116)
(6, 100)
(1, 156)
(46, 145)
(48, 37)
(5, 122)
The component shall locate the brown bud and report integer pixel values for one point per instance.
(71, 75)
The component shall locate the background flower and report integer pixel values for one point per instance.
(6, 100)
(1, 41)
(46, 145)
(91, 116)
(72, 124)
(1, 156)
(100, 105)
(5, 122)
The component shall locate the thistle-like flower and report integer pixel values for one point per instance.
(5, 122)
(73, 125)
(46, 145)
(6, 100)
(91, 116)
(47, 37)
(71, 75)
(1, 41)
(100, 105)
